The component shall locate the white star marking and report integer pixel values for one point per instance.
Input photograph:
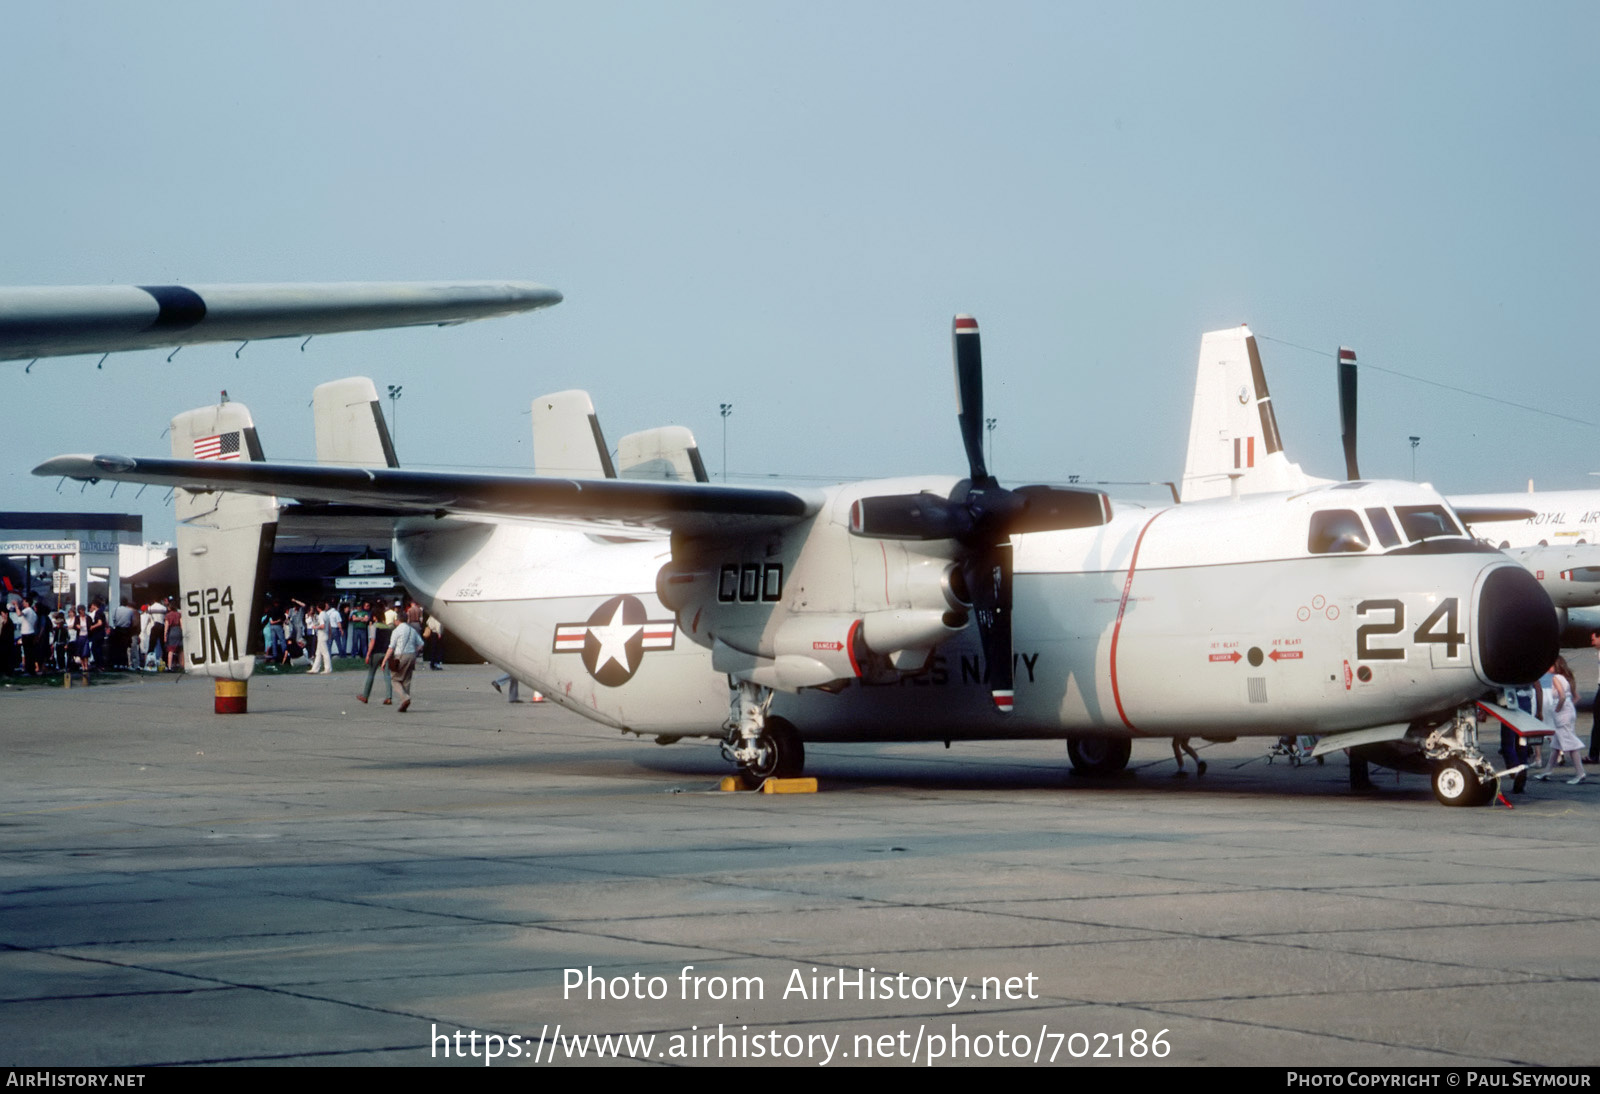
(613, 639)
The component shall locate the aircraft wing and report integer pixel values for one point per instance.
(57, 321)
(693, 508)
(1485, 514)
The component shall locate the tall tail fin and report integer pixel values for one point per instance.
(351, 431)
(666, 453)
(1233, 432)
(567, 441)
(224, 547)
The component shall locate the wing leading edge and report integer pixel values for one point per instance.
(670, 506)
(58, 321)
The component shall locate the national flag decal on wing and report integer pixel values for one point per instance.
(223, 446)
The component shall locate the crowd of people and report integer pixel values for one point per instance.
(390, 638)
(320, 631)
(383, 635)
(36, 640)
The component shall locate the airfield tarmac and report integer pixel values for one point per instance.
(321, 882)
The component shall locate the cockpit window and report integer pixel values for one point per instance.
(1426, 521)
(1336, 531)
(1383, 527)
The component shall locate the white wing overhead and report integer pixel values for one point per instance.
(57, 321)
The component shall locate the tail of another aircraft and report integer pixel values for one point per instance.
(666, 453)
(224, 551)
(1233, 433)
(567, 441)
(351, 431)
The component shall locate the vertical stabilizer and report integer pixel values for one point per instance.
(224, 547)
(1233, 432)
(567, 441)
(351, 431)
(665, 454)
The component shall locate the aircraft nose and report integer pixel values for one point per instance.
(1518, 634)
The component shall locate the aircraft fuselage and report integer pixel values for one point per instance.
(1211, 618)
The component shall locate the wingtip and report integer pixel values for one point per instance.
(85, 466)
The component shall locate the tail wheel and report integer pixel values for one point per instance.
(1455, 782)
(1098, 756)
(783, 754)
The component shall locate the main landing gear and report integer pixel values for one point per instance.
(763, 745)
(1461, 774)
(1098, 756)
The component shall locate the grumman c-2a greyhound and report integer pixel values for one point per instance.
(917, 609)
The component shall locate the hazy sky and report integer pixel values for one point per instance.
(782, 205)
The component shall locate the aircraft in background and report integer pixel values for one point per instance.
(1235, 449)
(57, 321)
(933, 608)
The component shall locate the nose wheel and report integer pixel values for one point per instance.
(1456, 782)
(1461, 775)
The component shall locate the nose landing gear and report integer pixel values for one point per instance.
(1461, 774)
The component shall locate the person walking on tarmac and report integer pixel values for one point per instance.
(377, 655)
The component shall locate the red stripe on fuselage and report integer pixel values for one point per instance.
(1116, 632)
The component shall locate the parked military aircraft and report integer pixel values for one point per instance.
(931, 608)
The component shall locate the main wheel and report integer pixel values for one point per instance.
(1456, 783)
(783, 754)
(1098, 756)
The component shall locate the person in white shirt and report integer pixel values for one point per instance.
(404, 646)
(317, 623)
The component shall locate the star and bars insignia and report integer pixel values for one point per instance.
(222, 446)
(614, 639)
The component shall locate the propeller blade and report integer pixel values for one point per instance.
(1347, 410)
(989, 580)
(968, 353)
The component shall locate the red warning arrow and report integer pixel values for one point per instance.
(1234, 656)
(1286, 655)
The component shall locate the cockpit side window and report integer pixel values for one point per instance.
(1336, 531)
(1383, 527)
(1426, 521)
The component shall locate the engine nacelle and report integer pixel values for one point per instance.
(828, 604)
(891, 631)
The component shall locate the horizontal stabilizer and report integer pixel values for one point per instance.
(57, 321)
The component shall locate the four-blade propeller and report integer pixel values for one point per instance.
(982, 516)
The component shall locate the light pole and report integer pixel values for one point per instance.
(1414, 442)
(394, 417)
(727, 409)
(988, 425)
